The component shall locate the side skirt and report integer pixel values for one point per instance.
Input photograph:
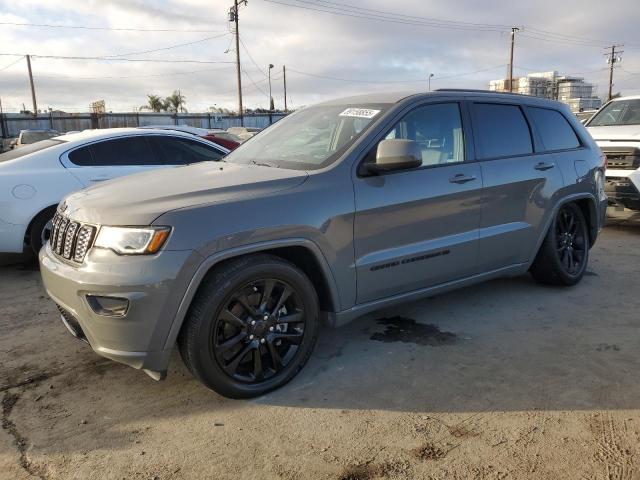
(338, 319)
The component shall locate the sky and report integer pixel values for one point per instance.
(330, 48)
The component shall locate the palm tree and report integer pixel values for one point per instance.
(155, 103)
(175, 102)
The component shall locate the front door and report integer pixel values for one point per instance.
(419, 228)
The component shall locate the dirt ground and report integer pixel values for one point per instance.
(505, 380)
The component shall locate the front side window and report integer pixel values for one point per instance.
(501, 131)
(437, 129)
(618, 112)
(554, 129)
(310, 138)
(182, 151)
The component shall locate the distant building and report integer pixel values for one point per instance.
(573, 91)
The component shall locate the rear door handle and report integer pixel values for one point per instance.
(544, 166)
(462, 178)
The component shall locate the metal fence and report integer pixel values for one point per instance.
(12, 123)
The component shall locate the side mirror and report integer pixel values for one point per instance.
(396, 154)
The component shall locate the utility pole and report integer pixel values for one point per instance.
(611, 60)
(284, 79)
(33, 89)
(430, 75)
(271, 107)
(513, 41)
(234, 17)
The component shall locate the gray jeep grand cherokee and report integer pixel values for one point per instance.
(337, 210)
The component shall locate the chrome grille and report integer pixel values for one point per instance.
(71, 240)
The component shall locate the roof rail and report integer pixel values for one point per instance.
(475, 91)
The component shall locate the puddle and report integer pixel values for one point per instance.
(407, 330)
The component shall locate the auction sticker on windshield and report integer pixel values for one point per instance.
(359, 113)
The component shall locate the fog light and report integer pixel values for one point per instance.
(108, 306)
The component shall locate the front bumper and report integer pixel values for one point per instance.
(623, 187)
(153, 285)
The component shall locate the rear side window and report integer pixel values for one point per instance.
(501, 131)
(182, 151)
(555, 130)
(81, 157)
(122, 151)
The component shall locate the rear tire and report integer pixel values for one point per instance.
(251, 327)
(564, 253)
(41, 229)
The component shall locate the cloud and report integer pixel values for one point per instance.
(365, 52)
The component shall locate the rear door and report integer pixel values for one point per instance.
(519, 184)
(107, 159)
(418, 228)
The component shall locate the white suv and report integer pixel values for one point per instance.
(34, 178)
(616, 130)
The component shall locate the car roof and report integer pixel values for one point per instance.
(396, 97)
(630, 97)
(98, 134)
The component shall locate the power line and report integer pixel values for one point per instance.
(337, 5)
(11, 64)
(168, 74)
(113, 29)
(251, 58)
(169, 47)
(354, 14)
(111, 59)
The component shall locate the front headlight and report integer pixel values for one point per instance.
(132, 240)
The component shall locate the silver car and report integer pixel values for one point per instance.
(337, 210)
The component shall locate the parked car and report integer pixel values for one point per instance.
(244, 133)
(335, 211)
(221, 137)
(616, 129)
(34, 178)
(27, 137)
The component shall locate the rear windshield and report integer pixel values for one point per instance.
(28, 138)
(27, 149)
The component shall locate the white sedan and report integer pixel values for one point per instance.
(34, 178)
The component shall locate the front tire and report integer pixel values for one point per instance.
(251, 327)
(564, 254)
(41, 229)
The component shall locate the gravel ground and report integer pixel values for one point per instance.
(508, 379)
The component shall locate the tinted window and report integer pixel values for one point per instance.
(81, 156)
(554, 129)
(501, 131)
(438, 131)
(182, 151)
(123, 151)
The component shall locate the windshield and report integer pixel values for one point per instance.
(310, 138)
(33, 137)
(618, 112)
(34, 147)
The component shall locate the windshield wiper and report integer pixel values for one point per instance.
(263, 164)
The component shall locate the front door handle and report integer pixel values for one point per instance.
(544, 166)
(462, 178)
(99, 179)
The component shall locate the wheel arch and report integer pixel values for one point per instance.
(303, 253)
(27, 232)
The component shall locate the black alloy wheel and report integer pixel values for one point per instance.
(258, 330)
(571, 242)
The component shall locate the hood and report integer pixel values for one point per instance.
(615, 132)
(139, 199)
